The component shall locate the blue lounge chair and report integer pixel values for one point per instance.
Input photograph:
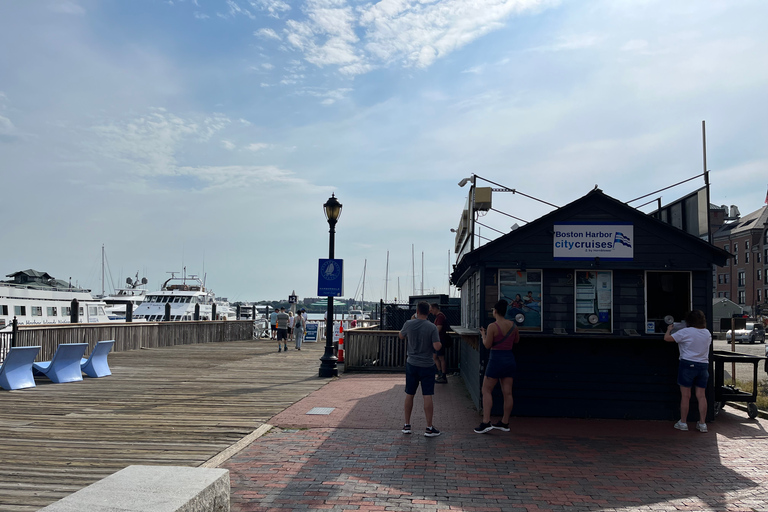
(65, 365)
(96, 364)
(16, 371)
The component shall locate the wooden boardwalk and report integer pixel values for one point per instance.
(179, 405)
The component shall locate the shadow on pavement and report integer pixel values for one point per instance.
(543, 464)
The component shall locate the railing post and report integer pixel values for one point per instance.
(74, 312)
(14, 332)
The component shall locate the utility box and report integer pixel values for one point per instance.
(483, 199)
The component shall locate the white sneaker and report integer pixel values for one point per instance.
(702, 427)
(681, 425)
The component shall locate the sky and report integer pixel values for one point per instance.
(206, 135)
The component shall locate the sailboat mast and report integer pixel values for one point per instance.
(422, 272)
(362, 295)
(386, 278)
(102, 270)
(413, 271)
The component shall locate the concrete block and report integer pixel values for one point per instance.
(155, 488)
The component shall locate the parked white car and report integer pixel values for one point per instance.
(753, 333)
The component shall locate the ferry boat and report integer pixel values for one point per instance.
(34, 297)
(133, 294)
(183, 294)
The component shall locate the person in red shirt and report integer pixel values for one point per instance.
(441, 322)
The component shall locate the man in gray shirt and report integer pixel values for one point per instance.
(423, 340)
(282, 329)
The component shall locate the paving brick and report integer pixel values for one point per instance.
(356, 458)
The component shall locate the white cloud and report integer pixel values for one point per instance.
(413, 33)
(68, 7)
(6, 126)
(267, 65)
(200, 15)
(257, 146)
(228, 145)
(570, 43)
(149, 143)
(267, 33)
(235, 10)
(273, 7)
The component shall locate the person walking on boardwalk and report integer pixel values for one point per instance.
(423, 340)
(693, 370)
(282, 329)
(298, 329)
(273, 323)
(291, 320)
(441, 322)
(499, 339)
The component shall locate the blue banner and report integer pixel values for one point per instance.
(311, 334)
(330, 278)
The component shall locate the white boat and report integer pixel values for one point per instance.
(358, 314)
(183, 294)
(133, 294)
(34, 297)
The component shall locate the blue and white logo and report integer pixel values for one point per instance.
(330, 278)
(580, 241)
(621, 238)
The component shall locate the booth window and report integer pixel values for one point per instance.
(522, 290)
(594, 301)
(666, 294)
(470, 298)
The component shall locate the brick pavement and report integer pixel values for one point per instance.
(357, 459)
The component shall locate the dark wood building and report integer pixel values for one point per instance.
(591, 286)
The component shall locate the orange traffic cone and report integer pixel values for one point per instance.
(340, 356)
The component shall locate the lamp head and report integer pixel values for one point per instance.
(332, 209)
(464, 181)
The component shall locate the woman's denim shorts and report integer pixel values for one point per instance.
(691, 373)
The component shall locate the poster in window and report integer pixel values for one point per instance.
(594, 301)
(522, 290)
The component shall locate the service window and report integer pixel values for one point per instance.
(667, 294)
(522, 290)
(36, 310)
(4, 310)
(66, 311)
(594, 301)
(52, 311)
(20, 310)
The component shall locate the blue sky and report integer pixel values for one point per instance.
(209, 133)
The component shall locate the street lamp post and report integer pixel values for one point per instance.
(328, 361)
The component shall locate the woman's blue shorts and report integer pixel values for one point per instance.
(691, 373)
(501, 364)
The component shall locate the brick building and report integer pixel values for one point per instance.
(744, 279)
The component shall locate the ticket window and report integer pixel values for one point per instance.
(666, 294)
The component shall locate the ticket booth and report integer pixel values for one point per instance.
(592, 287)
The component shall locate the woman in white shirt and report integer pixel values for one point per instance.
(693, 341)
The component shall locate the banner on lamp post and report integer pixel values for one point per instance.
(330, 278)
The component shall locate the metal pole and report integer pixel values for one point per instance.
(329, 359)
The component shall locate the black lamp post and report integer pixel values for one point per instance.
(328, 360)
